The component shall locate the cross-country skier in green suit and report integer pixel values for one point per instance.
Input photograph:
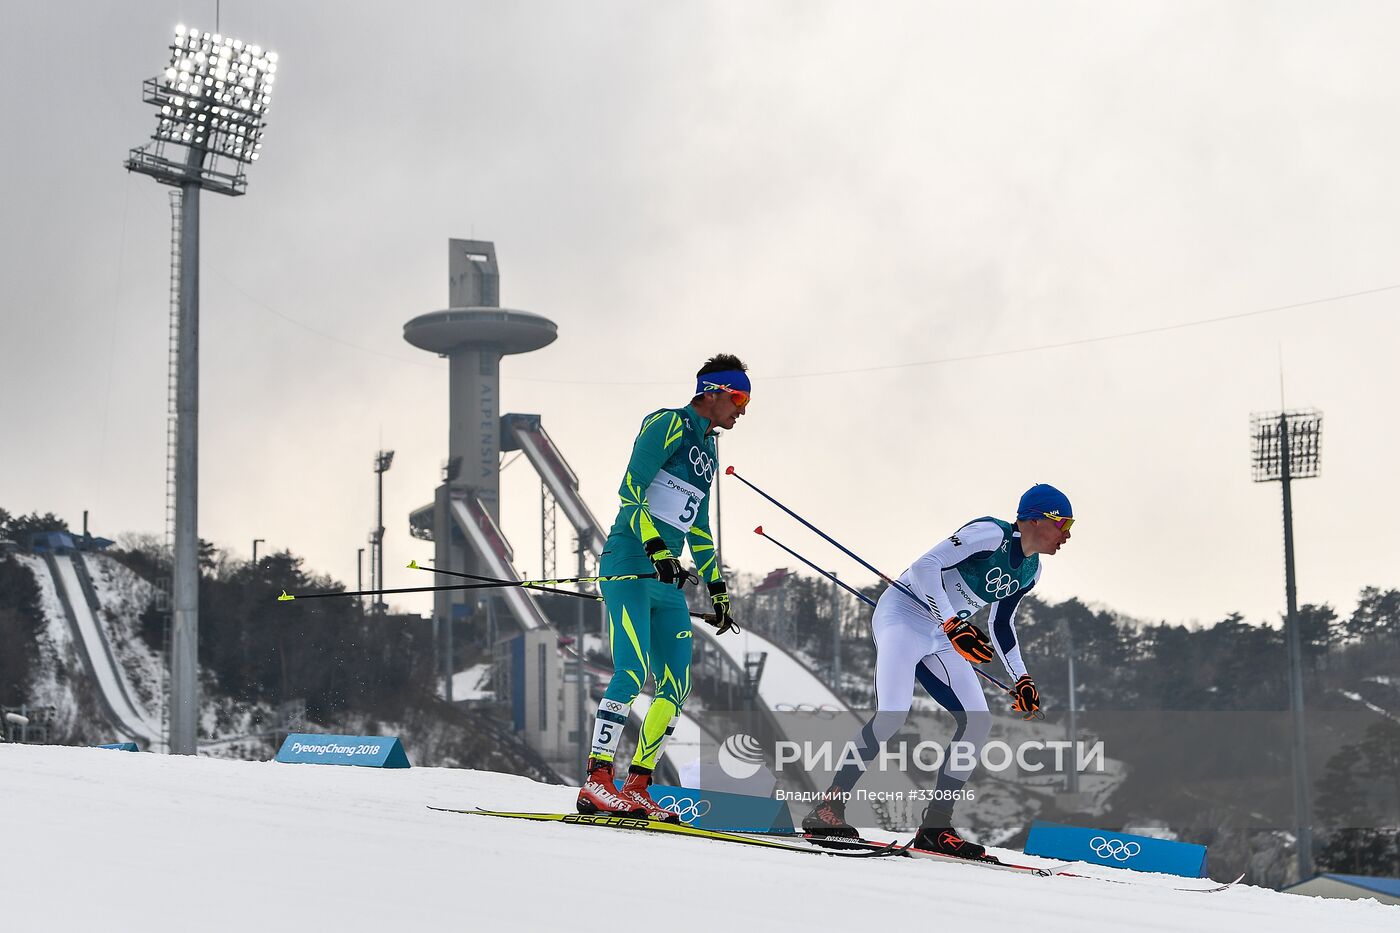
(665, 503)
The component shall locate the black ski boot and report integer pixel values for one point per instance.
(944, 840)
(828, 818)
(936, 834)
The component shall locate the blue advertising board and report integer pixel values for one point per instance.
(708, 809)
(368, 751)
(1117, 850)
(121, 746)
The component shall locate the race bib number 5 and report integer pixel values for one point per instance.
(674, 501)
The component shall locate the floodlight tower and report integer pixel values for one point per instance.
(1288, 446)
(211, 100)
(382, 461)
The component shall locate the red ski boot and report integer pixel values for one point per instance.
(599, 794)
(634, 790)
(828, 817)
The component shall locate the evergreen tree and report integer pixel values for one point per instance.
(21, 624)
(1360, 789)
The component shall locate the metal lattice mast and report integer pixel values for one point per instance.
(173, 367)
(549, 531)
(177, 217)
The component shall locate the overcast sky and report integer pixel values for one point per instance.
(840, 193)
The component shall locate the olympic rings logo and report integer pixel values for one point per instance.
(1001, 584)
(702, 463)
(824, 711)
(688, 810)
(1115, 849)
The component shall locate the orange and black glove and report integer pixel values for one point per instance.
(1027, 697)
(968, 640)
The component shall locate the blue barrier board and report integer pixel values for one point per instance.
(369, 751)
(121, 746)
(1117, 850)
(708, 809)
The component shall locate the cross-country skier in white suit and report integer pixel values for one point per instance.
(986, 562)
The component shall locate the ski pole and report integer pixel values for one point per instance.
(826, 573)
(414, 565)
(730, 471)
(845, 550)
(616, 577)
(534, 584)
(858, 594)
(461, 586)
(288, 597)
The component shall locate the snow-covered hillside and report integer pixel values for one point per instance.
(118, 841)
(63, 682)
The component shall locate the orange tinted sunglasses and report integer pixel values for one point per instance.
(1059, 521)
(739, 397)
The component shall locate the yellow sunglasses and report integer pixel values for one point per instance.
(1059, 521)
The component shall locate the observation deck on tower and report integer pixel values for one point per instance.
(446, 332)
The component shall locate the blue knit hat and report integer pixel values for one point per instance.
(1042, 498)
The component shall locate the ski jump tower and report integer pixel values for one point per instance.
(474, 333)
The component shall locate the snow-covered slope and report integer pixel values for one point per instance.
(119, 841)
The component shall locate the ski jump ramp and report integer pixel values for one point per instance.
(115, 695)
(490, 544)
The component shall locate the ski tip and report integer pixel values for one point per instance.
(285, 597)
(413, 565)
(758, 530)
(729, 471)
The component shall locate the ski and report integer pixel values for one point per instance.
(612, 821)
(907, 850)
(990, 862)
(839, 846)
(1061, 870)
(1215, 888)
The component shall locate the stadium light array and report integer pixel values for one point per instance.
(211, 100)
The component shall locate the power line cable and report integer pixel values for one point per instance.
(1011, 352)
(971, 357)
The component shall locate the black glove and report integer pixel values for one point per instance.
(724, 619)
(968, 640)
(668, 569)
(1027, 697)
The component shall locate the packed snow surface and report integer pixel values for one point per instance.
(115, 841)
